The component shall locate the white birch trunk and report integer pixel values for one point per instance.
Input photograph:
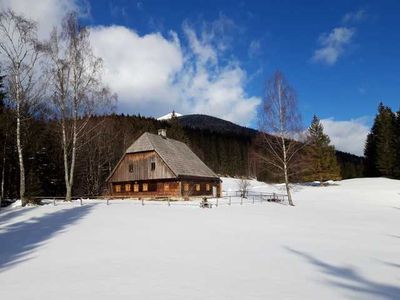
(285, 159)
(19, 145)
(21, 160)
(65, 154)
(73, 159)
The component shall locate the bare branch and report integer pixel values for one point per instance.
(280, 122)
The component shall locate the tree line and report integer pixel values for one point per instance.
(107, 137)
(60, 137)
(382, 149)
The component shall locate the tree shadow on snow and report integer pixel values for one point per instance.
(395, 236)
(394, 265)
(20, 239)
(6, 215)
(349, 279)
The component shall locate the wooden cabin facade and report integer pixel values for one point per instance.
(155, 166)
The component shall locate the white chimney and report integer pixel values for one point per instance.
(163, 133)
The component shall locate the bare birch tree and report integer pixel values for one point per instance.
(20, 53)
(281, 127)
(77, 90)
(244, 186)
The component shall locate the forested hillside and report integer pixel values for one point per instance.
(224, 146)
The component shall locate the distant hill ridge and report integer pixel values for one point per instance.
(216, 140)
(213, 124)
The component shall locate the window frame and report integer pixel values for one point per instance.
(186, 187)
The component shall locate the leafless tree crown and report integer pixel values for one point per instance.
(281, 129)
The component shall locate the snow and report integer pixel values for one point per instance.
(340, 241)
(232, 184)
(16, 204)
(169, 116)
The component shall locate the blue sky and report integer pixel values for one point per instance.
(285, 35)
(213, 57)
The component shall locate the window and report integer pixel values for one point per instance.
(153, 166)
(152, 187)
(127, 187)
(136, 187)
(166, 187)
(145, 187)
(186, 187)
(207, 187)
(197, 187)
(117, 188)
(130, 168)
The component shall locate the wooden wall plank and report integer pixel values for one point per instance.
(141, 168)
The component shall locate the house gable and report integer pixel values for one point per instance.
(138, 166)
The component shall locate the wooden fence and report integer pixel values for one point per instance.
(228, 198)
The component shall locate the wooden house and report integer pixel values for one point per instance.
(155, 166)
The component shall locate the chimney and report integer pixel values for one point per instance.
(162, 133)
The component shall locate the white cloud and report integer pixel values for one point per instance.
(254, 48)
(333, 45)
(153, 74)
(141, 69)
(348, 136)
(203, 49)
(47, 13)
(355, 17)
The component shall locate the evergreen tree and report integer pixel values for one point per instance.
(380, 149)
(370, 154)
(397, 145)
(175, 130)
(323, 164)
(385, 141)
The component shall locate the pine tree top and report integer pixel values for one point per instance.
(316, 133)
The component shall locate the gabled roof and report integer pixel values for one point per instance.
(177, 155)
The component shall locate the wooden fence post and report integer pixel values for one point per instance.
(230, 200)
(217, 203)
(54, 201)
(253, 199)
(142, 202)
(108, 199)
(241, 200)
(80, 199)
(169, 203)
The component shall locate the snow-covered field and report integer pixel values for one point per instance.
(339, 242)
